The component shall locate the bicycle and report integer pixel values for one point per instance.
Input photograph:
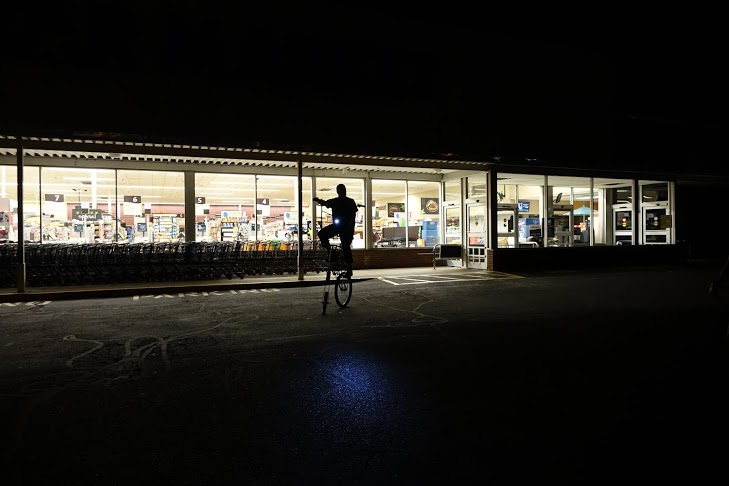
(342, 281)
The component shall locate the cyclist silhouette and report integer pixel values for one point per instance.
(344, 211)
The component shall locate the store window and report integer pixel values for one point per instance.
(78, 205)
(424, 210)
(569, 211)
(452, 191)
(224, 207)
(389, 214)
(326, 188)
(506, 188)
(529, 207)
(476, 185)
(9, 202)
(654, 192)
(277, 202)
(152, 205)
(520, 203)
(583, 208)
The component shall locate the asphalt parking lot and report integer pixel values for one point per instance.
(428, 376)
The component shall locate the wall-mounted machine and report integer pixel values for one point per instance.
(560, 225)
(507, 216)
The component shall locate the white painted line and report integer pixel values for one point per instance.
(415, 280)
(429, 278)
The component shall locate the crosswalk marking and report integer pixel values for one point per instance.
(429, 279)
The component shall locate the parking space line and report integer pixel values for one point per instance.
(430, 279)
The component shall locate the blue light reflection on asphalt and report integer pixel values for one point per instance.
(354, 403)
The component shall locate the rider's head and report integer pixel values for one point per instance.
(342, 190)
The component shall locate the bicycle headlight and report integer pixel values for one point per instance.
(336, 221)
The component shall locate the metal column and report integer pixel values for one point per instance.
(300, 222)
(190, 230)
(21, 281)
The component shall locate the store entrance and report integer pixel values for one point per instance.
(475, 229)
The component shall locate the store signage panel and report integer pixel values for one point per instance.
(132, 199)
(200, 200)
(54, 197)
(393, 208)
(429, 205)
(88, 214)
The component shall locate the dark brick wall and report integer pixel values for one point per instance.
(392, 258)
(521, 259)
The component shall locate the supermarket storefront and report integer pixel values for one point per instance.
(109, 193)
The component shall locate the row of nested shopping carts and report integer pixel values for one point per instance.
(59, 264)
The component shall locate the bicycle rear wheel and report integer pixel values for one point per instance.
(343, 291)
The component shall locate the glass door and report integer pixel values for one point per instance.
(657, 224)
(623, 224)
(476, 230)
(453, 225)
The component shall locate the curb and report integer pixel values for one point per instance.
(74, 294)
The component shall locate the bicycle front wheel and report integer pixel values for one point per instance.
(343, 291)
(325, 301)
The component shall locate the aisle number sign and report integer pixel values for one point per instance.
(132, 205)
(263, 206)
(201, 208)
(54, 205)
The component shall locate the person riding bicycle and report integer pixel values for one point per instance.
(344, 211)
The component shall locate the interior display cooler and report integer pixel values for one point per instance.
(429, 233)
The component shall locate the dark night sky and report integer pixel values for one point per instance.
(578, 87)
